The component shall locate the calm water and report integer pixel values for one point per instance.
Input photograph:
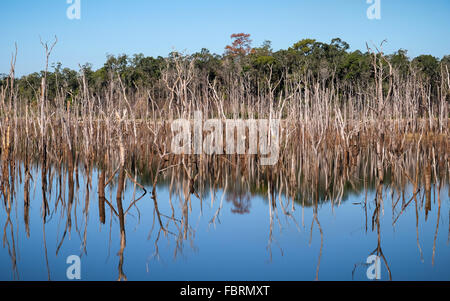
(229, 234)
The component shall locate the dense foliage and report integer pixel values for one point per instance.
(262, 67)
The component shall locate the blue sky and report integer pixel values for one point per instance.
(157, 27)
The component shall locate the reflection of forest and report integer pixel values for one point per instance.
(241, 189)
(317, 179)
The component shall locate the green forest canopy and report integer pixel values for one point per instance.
(326, 61)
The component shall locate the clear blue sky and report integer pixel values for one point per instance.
(156, 27)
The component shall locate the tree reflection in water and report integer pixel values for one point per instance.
(321, 181)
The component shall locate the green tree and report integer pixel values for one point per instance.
(400, 61)
(427, 65)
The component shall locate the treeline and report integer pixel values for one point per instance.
(262, 68)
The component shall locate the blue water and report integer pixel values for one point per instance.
(235, 247)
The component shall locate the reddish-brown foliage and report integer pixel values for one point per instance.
(241, 45)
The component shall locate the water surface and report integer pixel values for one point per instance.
(230, 232)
